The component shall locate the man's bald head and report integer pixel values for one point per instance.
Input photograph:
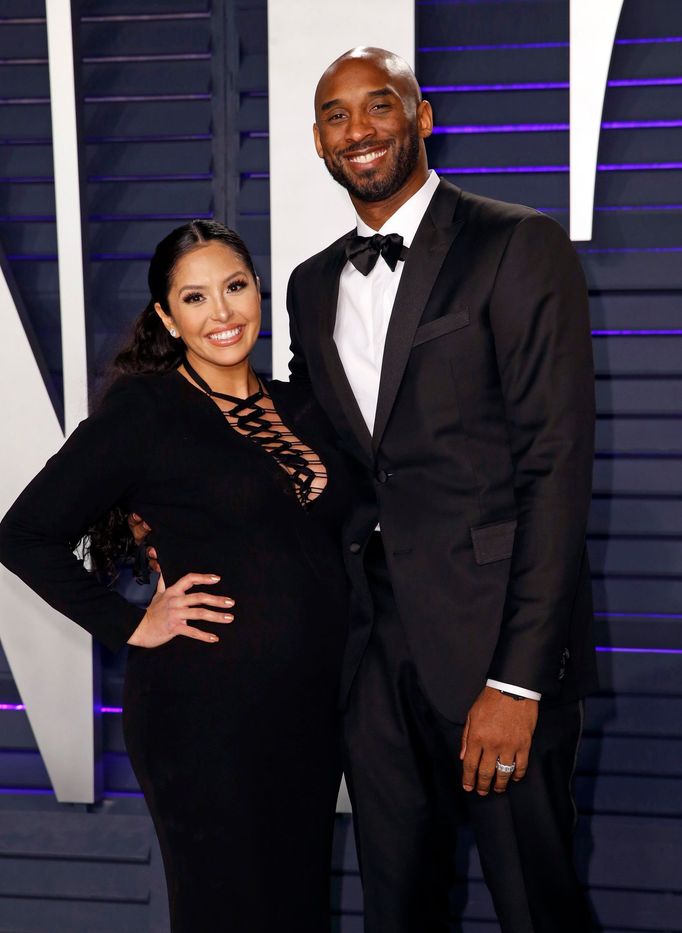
(370, 127)
(395, 68)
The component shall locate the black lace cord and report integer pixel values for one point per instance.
(251, 421)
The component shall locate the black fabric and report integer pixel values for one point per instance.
(364, 251)
(485, 431)
(404, 776)
(235, 744)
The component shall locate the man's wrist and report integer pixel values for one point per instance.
(520, 693)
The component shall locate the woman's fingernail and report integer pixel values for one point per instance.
(214, 638)
(214, 576)
(229, 602)
(228, 618)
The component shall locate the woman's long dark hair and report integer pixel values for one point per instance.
(151, 349)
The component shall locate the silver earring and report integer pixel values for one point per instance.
(173, 332)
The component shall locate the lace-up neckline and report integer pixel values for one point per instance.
(256, 418)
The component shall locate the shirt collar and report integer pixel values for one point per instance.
(407, 218)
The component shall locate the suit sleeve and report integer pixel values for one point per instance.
(298, 368)
(97, 468)
(540, 322)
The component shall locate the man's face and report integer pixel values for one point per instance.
(368, 129)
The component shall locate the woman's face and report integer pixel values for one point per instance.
(215, 306)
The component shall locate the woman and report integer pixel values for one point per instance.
(229, 701)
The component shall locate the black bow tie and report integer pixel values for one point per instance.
(364, 251)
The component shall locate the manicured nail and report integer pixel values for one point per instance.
(468, 786)
(214, 576)
(228, 618)
(214, 638)
(229, 602)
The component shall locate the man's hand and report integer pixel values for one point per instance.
(497, 726)
(140, 531)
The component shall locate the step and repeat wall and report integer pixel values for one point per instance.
(173, 98)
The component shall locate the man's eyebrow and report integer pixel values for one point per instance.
(379, 92)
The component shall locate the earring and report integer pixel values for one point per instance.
(173, 332)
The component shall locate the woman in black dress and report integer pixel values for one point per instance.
(230, 700)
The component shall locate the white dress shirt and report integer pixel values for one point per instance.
(363, 313)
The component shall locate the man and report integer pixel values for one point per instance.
(448, 341)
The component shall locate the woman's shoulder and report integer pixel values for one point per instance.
(140, 385)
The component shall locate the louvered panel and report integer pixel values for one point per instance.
(636, 515)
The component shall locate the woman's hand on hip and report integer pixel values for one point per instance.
(172, 608)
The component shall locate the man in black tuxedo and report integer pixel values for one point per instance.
(448, 340)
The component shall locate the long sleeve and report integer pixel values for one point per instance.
(98, 467)
(298, 367)
(539, 315)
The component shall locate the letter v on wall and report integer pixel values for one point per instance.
(50, 658)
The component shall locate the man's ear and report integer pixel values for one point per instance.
(318, 144)
(424, 119)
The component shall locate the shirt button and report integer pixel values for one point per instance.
(382, 476)
(354, 548)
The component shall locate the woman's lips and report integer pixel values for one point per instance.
(226, 337)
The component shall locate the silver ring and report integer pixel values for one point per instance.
(505, 769)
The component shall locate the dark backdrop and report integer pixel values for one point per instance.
(174, 96)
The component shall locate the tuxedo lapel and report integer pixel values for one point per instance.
(328, 290)
(430, 246)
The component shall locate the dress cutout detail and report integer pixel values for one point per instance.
(257, 418)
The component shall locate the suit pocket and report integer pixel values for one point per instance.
(493, 542)
(442, 325)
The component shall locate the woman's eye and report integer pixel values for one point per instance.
(236, 286)
(192, 298)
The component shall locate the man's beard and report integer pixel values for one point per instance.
(371, 187)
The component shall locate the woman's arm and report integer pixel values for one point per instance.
(100, 465)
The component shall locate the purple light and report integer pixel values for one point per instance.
(636, 333)
(493, 48)
(502, 128)
(27, 791)
(609, 650)
(550, 127)
(639, 166)
(142, 98)
(20, 707)
(141, 17)
(546, 169)
(539, 45)
(180, 176)
(544, 85)
(162, 57)
(632, 249)
(516, 86)
(638, 615)
(503, 170)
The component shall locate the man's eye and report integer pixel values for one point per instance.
(381, 106)
(192, 298)
(335, 117)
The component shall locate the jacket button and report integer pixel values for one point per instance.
(382, 476)
(354, 548)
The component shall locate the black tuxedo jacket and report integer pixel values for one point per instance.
(479, 469)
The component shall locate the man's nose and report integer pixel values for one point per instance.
(359, 126)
